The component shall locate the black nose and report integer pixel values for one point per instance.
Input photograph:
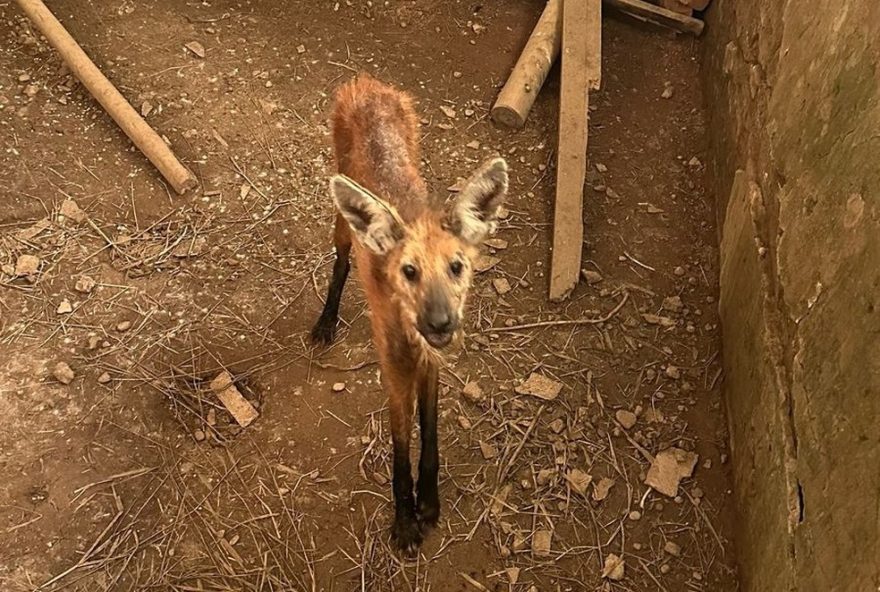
(439, 321)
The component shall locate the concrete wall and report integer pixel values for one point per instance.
(794, 95)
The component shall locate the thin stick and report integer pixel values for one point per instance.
(563, 322)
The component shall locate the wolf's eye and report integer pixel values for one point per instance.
(456, 267)
(410, 272)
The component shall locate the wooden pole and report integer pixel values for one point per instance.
(658, 15)
(519, 93)
(581, 37)
(134, 126)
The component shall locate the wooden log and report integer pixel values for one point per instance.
(658, 15)
(581, 26)
(519, 93)
(134, 126)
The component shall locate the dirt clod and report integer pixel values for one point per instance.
(626, 418)
(473, 393)
(64, 307)
(541, 543)
(670, 466)
(85, 284)
(614, 568)
(538, 385)
(27, 265)
(63, 373)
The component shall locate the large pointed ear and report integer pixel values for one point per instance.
(475, 213)
(375, 223)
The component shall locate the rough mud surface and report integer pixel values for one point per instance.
(134, 476)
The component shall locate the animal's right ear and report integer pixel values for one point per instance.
(375, 223)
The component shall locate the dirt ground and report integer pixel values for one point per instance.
(134, 477)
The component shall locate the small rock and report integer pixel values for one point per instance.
(71, 210)
(501, 285)
(695, 162)
(488, 450)
(541, 542)
(614, 567)
(24, 77)
(85, 284)
(449, 112)
(473, 393)
(673, 372)
(538, 385)
(653, 319)
(31, 90)
(664, 569)
(484, 263)
(635, 515)
(557, 425)
(679, 271)
(591, 277)
(63, 373)
(579, 480)
(496, 243)
(300, 49)
(65, 307)
(27, 265)
(338, 387)
(123, 326)
(626, 418)
(545, 476)
(602, 488)
(94, 340)
(196, 48)
(146, 108)
(601, 168)
(104, 378)
(464, 423)
(672, 548)
(670, 466)
(199, 435)
(672, 303)
(456, 74)
(473, 145)
(667, 92)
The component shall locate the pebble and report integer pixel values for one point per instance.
(664, 569)
(626, 418)
(104, 378)
(672, 548)
(199, 435)
(501, 285)
(541, 543)
(591, 277)
(601, 168)
(65, 307)
(614, 568)
(338, 387)
(27, 265)
(673, 372)
(667, 93)
(123, 326)
(635, 515)
(473, 145)
(472, 392)
(679, 271)
(63, 373)
(85, 284)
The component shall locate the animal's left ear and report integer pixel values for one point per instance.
(475, 213)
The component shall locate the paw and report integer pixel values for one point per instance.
(324, 331)
(429, 512)
(407, 535)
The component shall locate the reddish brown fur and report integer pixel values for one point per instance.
(375, 133)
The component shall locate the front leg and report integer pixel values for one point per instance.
(429, 462)
(406, 531)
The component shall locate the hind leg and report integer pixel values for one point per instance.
(325, 328)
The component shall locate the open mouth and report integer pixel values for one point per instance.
(438, 340)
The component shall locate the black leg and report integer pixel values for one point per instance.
(405, 531)
(429, 462)
(325, 328)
